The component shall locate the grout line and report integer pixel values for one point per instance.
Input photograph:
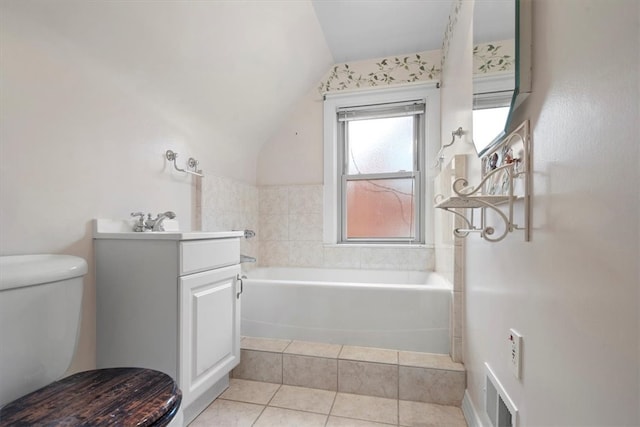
(366, 420)
(299, 410)
(274, 395)
(267, 405)
(259, 415)
(335, 397)
(374, 363)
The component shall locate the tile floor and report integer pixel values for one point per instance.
(261, 404)
(392, 374)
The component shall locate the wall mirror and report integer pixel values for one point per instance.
(502, 67)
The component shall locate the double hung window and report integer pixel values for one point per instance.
(377, 189)
(380, 167)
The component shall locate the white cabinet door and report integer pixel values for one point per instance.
(209, 329)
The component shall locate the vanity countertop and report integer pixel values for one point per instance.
(122, 229)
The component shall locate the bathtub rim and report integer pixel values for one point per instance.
(437, 282)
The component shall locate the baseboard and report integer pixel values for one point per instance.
(469, 411)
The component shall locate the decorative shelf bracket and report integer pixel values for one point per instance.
(506, 175)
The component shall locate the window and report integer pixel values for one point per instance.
(490, 123)
(377, 143)
(491, 105)
(380, 149)
(490, 114)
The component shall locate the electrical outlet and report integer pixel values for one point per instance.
(515, 352)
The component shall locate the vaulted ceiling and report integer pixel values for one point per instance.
(364, 29)
(357, 30)
(237, 67)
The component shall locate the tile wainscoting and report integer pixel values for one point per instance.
(227, 204)
(288, 223)
(291, 226)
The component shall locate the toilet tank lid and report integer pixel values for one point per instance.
(27, 270)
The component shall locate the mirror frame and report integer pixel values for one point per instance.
(522, 89)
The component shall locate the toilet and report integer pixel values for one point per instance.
(40, 307)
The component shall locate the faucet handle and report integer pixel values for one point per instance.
(168, 214)
(140, 223)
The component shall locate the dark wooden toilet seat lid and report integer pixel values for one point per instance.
(116, 396)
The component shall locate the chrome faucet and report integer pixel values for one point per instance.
(151, 224)
(156, 224)
(140, 225)
(246, 258)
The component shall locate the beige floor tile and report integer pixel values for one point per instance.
(432, 385)
(367, 408)
(250, 391)
(366, 354)
(314, 372)
(417, 414)
(259, 366)
(264, 344)
(304, 399)
(371, 379)
(229, 414)
(316, 349)
(428, 360)
(350, 422)
(278, 417)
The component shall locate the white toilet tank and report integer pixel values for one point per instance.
(40, 302)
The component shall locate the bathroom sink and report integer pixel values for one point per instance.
(123, 229)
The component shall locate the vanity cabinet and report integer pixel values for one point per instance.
(171, 302)
(209, 329)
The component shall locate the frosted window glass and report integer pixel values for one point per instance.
(380, 145)
(381, 208)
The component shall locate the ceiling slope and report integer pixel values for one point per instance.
(235, 67)
(366, 29)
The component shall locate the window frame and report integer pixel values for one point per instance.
(417, 174)
(334, 204)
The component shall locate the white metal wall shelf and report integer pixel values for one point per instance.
(506, 174)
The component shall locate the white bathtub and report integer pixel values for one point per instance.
(403, 310)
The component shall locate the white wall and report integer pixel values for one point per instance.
(293, 155)
(93, 93)
(573, 291)
(455, 103)
(456, 99)
(77, 144)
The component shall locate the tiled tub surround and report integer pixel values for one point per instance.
(450, 250)
(404, 310)
(290, 223)
(390, 374)
(227, 204)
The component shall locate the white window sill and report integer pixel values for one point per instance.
(379, 245)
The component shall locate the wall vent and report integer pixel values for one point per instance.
(497, 404)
